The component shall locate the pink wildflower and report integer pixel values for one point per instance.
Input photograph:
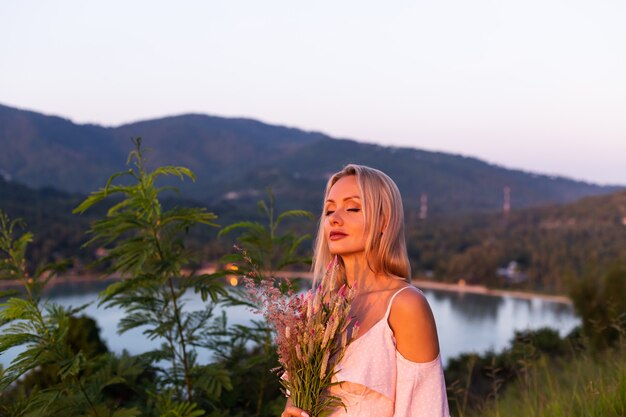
(311, 333)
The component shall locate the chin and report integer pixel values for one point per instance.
(343, 251)
(335, 251)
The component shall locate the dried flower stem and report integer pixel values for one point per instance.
(311, 331)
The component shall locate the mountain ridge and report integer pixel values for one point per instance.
(235, 159)
(551, 244)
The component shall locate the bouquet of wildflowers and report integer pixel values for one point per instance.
(311, 336)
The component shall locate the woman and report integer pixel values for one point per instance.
(393, 368)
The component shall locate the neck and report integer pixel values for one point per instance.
(357, 271)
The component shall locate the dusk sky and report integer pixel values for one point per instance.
(538, 85)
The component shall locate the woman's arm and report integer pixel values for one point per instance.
(413, 325)
(421, 386)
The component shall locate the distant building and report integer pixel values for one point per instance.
(231, 195)
(512, 273)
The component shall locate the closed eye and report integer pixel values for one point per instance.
(356, 210)
(329, 212)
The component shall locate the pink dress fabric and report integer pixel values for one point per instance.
(380, 382)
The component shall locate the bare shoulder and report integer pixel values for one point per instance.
(410, 299)
(413, 325)
(411, 306)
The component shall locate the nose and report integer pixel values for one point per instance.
(335, 218)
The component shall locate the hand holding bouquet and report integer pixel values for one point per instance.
(311, 337)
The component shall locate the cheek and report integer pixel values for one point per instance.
(326, 227)
(362, 229)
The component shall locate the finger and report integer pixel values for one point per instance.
(292, 411)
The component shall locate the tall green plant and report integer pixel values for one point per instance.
(269, 248)
(76, 379)
(601, 304)
(145, 246)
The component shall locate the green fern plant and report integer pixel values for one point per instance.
(145, 245)
(269, 249)
(40, 329)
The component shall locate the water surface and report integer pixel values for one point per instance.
(466, 322)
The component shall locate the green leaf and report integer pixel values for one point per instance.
(295, 213)
(114, 380)
(180, 172)
(258, 227)
(8, 341)
(93, 199)
(127, 412)
(209, 285)
(117, 207)
(231, 258)
(18, 309)
(71, 366)
(19, 246)
(9, 293)
(132, 321)
(53, 269)
(213, 379)
(108, 188)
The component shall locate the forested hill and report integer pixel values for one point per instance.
(236, 159)
(552, 245)
(59, 234)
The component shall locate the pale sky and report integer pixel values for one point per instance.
(538, 85)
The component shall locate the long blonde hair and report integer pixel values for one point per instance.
(382, 207)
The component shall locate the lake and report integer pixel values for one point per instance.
(466, 322)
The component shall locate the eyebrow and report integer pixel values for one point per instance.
(347, 198)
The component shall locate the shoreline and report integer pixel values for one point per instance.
(481, 289)
(65, 280)
(420, 283)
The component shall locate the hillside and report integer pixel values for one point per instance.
(47, 213)
(551, 245)
(59, 234)
(236, 159)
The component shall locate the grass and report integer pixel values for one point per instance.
(587, 386)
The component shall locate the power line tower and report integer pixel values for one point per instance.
(423, 206)
(506, 204)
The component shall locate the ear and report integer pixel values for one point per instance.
(384, 226)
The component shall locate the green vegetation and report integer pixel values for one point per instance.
(156, 245)
(601, 303)
(145, 245)
(554, 246)
(266, 248)
(532, 378)
(63, 369)
(64, 366)
(586, 386)
(541, 374)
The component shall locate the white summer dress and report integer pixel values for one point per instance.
(380, 382)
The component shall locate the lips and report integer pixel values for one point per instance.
(337, 235)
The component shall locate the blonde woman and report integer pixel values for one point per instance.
(393, 368)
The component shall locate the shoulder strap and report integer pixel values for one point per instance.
(391, 300)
